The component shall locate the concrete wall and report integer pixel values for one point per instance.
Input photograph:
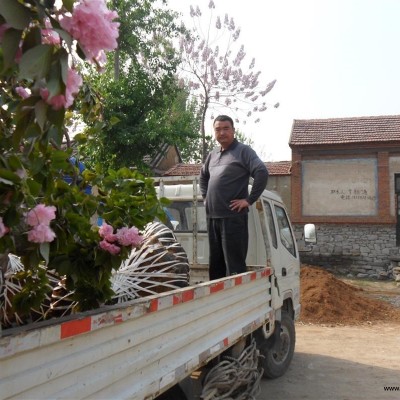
(281, 185)
(340, 187)
(362, 250)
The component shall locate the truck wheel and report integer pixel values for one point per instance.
(277, 351)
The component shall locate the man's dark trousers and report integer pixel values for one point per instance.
(228, 239)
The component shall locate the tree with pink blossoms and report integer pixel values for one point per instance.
(215, 70)
(46, 48)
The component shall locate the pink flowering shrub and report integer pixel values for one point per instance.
(40, 80)
(123, 237)
(41, 214)
(91, 24)
(74, 82)
(41, 234)
(39, 219)
(110, 247)
(129, 236)
(107, 232)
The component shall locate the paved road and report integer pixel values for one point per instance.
(340, 363)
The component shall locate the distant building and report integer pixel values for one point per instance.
(165, 159)
(343, 180)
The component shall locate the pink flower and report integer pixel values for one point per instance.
(3, 228)
(21, 91)
(111, 248)
(74, 81)
(91, 25)
(129, 236)
(107, 232)
(41, 233)
(41, 215)
(50, 36)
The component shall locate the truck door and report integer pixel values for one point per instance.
(283, 249)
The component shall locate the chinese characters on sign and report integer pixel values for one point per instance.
(352, 194)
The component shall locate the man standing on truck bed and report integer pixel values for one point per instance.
(224, 180)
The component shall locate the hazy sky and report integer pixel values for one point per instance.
(331, 58)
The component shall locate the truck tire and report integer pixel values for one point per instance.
(277, 351)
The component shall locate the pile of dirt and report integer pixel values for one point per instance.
(326, 299)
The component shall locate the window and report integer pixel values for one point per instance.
(180, 214)
(271, 224)
(285, 233)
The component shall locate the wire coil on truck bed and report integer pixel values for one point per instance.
(235, 378)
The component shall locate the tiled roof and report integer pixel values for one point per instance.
(279, 167)
(183, 170)
(274, 168)
(345, 130)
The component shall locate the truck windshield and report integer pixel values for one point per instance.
(180, 215)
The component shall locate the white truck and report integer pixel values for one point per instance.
(144, 348)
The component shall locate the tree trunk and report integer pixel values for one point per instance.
(204, 147)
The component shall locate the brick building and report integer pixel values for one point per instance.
(343, 180)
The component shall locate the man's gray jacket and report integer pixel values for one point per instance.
(225, 177)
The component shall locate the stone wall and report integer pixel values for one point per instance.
(359, 250)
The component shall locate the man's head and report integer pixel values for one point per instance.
(224, 130)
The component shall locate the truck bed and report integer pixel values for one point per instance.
(136, 350)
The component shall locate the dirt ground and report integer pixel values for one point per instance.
(348, 341)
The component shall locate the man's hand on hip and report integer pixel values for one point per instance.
(239, 204)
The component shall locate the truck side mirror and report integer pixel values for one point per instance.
(310, 236)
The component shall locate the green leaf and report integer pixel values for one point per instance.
(56, 117)
(59, 159)
(8, 175)
(65, 36)
(68, 4)
(55, 85)
(64, 66)
(20, 130)
(35, 63)
(33, 131)
(80, 138)
(45, 251)
(55, 134)
(10, 46)
(40, 113)
(80, 52)
(114, 120)
(14, 162)
(32, 38)
(37, 165)
(34, 187)
(15, 13)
